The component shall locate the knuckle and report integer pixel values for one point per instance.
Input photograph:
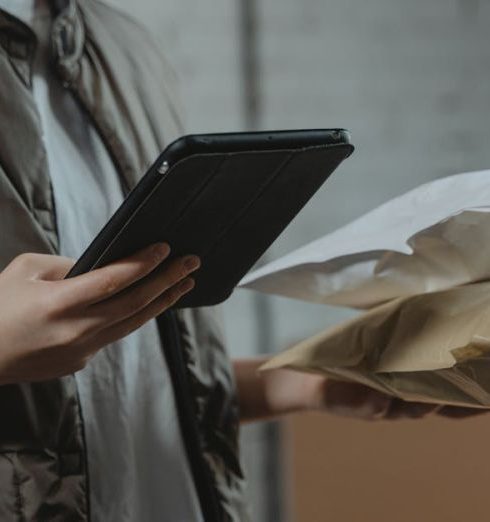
(175, 272)
(154, 255)
(137, 303)
(22, 261)
(153, 258)
(179, 290)
(108, 284)
(171, 297)
(67, 336)
(51, 303)
(183, 271)
(139, 298)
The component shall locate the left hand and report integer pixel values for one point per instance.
(273, 393)
(361, 402)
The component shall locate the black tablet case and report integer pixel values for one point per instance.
(227, 208)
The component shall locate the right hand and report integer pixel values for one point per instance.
(51, 327)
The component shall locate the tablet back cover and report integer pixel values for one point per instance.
(227, 208)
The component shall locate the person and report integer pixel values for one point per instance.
(112, 408)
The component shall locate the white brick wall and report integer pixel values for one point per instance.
(411, 80)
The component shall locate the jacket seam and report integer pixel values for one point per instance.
(19, 498)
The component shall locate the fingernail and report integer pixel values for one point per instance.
(192, 263)
(186, 285)
(161, 250)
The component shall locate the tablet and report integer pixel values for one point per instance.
(223, 197)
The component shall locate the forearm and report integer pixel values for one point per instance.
(270, 394)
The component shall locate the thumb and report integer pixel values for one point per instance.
(57, 268)
(44, 267)
(355, 400)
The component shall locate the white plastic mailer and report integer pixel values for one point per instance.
(434, 237)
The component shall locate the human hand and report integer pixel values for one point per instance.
(51, 327)
(361, 402)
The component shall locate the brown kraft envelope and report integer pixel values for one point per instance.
(431, 348)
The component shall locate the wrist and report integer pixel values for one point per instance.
(290, 391)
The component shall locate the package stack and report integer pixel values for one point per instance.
(419, 267)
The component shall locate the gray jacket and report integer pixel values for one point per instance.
(118, 76)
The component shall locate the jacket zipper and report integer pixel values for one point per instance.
(203, 479)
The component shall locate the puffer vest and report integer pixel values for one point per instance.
(119, 78)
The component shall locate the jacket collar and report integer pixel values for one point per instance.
(67, 41)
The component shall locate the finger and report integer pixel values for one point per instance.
(400, 409)
(102, 283)
(355, 400)
(457, 412)
(154, 309)
(130, 301)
